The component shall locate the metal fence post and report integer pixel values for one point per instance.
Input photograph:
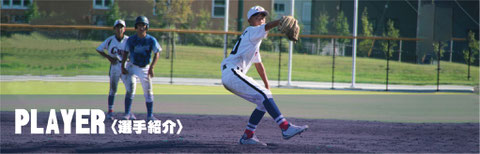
(400, 52)
(333, 64)
(279, 60)
(438, 64)
(469, 62)
(172, 39)
(388, 62)
(451, 49)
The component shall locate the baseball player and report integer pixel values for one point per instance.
(139, 49)
(234, 78)
(114, 46)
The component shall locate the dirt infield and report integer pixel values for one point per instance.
(207, 133)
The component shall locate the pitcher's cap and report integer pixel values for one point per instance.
(256, 9)
(119, 21)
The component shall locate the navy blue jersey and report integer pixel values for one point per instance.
(140, 49)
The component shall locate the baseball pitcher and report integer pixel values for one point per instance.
(235, 67)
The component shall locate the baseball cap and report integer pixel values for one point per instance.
(255, 10)
(119, 21)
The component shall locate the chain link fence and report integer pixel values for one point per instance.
(70, 51)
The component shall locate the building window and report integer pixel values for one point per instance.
(218, 8)
(102, 4)
(16, 4)
(279, 7)
(307, 12)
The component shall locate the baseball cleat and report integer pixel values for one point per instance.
(293, 130)
(151, 118)
(129, 116)
(253, 141)
(110, 116)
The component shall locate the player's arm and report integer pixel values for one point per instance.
(272, 24)
(154, 61)
(111, 59)
(262, 73)
(103, 47)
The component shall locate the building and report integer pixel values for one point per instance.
(71, 12)
(92, 12)
(425, 19)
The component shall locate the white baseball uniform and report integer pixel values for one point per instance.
(115, 49)
(140, 50)
(235, 67)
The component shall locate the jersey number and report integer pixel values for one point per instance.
(235, 49)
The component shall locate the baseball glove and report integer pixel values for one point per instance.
(289, 26)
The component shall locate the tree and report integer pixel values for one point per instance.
(442, 49)
(322, 28)
(113, 13)
(203, 19)
(342, 28)
(299, 45)
(392, 32)
(32, 12)
(473, 45)
(174, 12)
(269, 42)
(365, 46)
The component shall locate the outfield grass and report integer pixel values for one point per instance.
(215, 100)
(390, 108)
(102, 88)
(37, 55)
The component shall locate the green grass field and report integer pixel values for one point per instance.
(101, 88)
(37, 55)
(215, 100)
